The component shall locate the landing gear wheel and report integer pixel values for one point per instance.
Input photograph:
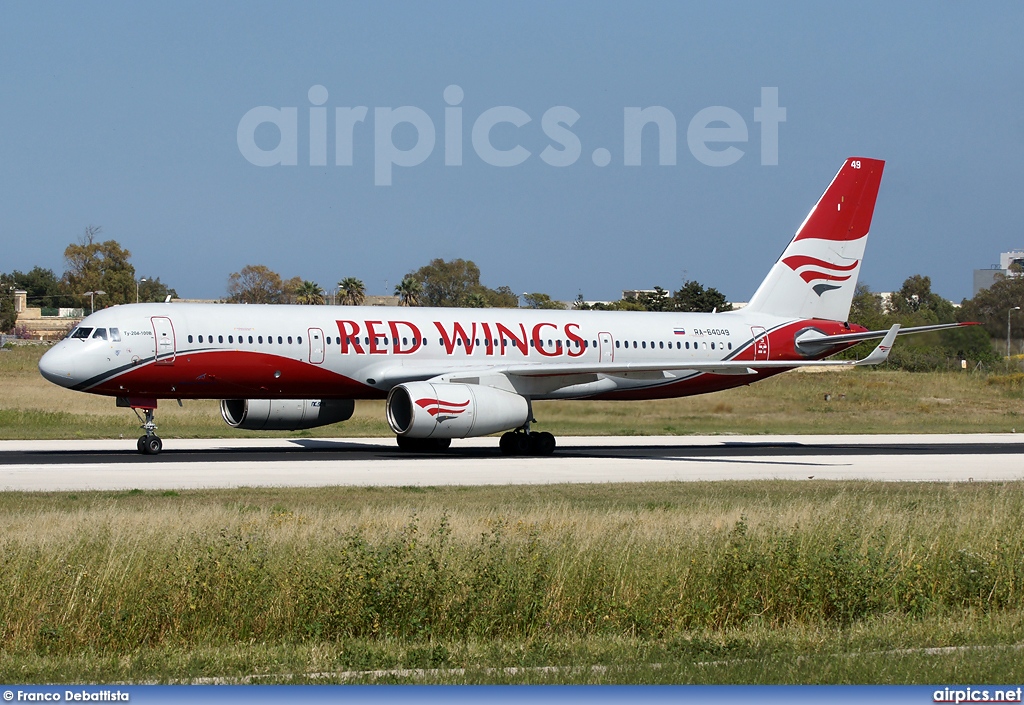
(506, 442)
(150, 445)
(542, 443)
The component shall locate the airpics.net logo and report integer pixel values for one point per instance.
(712, 134)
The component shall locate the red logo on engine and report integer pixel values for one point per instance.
(437, 406)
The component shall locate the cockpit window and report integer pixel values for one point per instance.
(100, 334)
(81, 333)
(115, 335)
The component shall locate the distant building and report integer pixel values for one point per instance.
(985, 278)
(31, 322)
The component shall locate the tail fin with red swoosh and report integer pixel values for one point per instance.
(817, 274)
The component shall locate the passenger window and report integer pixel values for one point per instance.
(458, 341)
(634, 343)
(405, 341)
(280, 340)
(220, 338)
(200, 339)
(250, 340)
(712, 346)
(259, 338)
(616, 343)
(290, 340)
(100, 334)
(231, 339)
(661, 344)
(190, 339)
(730, 346)
(300, 340)
(115, 335)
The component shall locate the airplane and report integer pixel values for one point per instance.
(455, 373)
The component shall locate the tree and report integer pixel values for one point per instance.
(692, 296)
(866, 308)
(502, 297)
(474, 300)
(657, 300)
(153, 290)
(352, 291)
(255, 284)
(538, 300)
(408, 292)
(447, 283)
(990, 306)
(43, 287)
(451, 283)
(103, 266)
(291, 290)
(7, 314)
(309, 293)
(916, 297)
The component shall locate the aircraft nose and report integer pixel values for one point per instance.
(57, 365)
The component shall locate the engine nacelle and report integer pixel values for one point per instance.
(442, 410)
(284, 414)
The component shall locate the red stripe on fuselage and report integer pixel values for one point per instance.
(235, 374)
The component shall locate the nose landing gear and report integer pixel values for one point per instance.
(149, 444)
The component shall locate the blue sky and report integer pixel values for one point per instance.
(126, 116)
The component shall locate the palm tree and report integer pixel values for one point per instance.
(474, 300)
(408, 292)
(352, 290)
(309, 293)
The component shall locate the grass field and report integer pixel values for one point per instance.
(862, 401)
(748, 582)
(759, 582)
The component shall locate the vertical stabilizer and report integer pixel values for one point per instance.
(817, 274)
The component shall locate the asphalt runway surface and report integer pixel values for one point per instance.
(185, 464)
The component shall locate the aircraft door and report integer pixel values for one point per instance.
(163, 340)
(761, 350)
(606, 347)
(316, 346)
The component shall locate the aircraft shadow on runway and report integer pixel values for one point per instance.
(303, 450)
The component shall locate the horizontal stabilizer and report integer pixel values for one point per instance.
(814, 343)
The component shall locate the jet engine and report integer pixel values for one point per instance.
(444, 410)
(284, 414)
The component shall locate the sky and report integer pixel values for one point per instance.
(207, 136)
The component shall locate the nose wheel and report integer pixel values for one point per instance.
(149, 444)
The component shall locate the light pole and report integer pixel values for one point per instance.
(137, 289)
(92, 299)
(1015, 308)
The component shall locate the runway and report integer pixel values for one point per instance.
(189, 464)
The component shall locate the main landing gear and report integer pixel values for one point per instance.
(149, 444)
(523, 442)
